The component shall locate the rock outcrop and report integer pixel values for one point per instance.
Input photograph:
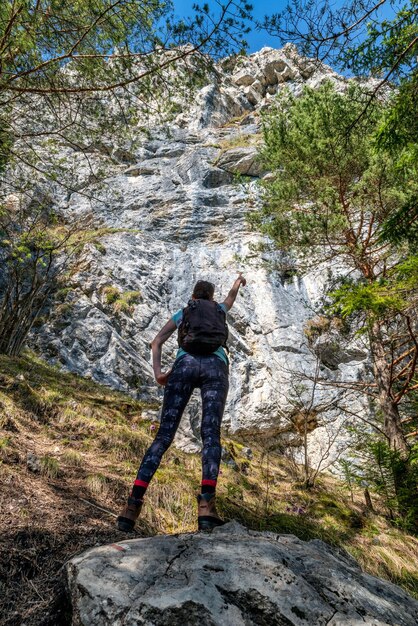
(232, 577)
(172, 210)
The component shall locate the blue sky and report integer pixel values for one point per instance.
(258, 39)
(255, 39)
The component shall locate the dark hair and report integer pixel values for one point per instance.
(203, 290)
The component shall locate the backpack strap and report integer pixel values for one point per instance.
(222, 310)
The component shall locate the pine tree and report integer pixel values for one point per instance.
(330, 198)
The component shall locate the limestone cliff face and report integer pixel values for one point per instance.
(176, 212)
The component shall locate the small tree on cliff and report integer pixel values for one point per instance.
(38, 254)
(330, 199)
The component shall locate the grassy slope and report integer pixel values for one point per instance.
(88, 441)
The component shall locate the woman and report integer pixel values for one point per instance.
(201, 362)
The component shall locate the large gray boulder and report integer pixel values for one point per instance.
(232, 577)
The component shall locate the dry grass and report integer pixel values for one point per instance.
(90, 439)
(239, 119)
(72, 458)
(121, 302)
(49, 466)
(238, 140)
(97, 485)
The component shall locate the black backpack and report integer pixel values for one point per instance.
(203, 328)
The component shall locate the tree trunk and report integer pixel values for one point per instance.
(392, 421)
(368, 500)
(305, 450)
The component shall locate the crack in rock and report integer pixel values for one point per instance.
(177, 556)
(255, 608)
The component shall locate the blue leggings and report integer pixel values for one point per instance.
(210, 375)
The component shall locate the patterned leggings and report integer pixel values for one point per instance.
(210, 374)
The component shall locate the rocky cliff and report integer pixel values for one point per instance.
(172, 209)
(232, 577)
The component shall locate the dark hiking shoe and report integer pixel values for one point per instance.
(207, 515)
(129, 515)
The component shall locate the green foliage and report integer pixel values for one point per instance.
(389, 45)
(385, 49)
(37, 254)
(5, 146)
(380, 299)
(397, 135)
(132, 297)
(4, 445)
(349, 475)
(333, 191)
(49, 466)
(402, 225)
(380, 471)
(374, 299)
(111, 294)
(89, 32)
(322, 175)
(62, 294)
(121, 306)
(398, 130)
(332, 195)
(397, 480)
(121, 302)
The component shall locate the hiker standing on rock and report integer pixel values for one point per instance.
(201, 362)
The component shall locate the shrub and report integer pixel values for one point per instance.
(111, 294)
(122, 302)
(50, 467)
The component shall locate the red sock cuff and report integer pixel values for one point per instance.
(140, 483)
(209, 483)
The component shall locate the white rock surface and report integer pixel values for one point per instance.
(232, 577)
(175, 214)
